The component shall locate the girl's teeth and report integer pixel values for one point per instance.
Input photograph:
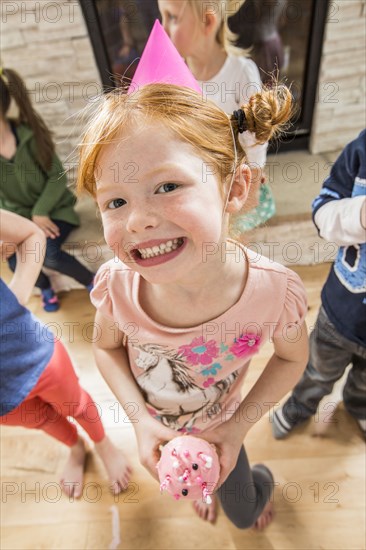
(164, 248)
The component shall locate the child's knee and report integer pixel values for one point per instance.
(243, 523)
(241, 506)
(245, 519)
(35, 414)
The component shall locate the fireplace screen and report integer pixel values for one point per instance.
(284, 37)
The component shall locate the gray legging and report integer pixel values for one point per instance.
(245, 492)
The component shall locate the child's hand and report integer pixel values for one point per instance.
(46, 224)
(150, 435)
(228, 442)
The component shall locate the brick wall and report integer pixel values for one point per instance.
(47, 42)
(340, 109)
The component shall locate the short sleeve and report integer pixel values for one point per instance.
(295, 305)
(249, 77)
(100, 295)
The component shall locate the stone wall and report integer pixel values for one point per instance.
(340, 109)
(47, 42)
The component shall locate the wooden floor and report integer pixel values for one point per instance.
(319, 500)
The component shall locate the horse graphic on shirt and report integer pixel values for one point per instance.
(169, 388)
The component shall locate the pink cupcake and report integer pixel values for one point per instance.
(189, 467)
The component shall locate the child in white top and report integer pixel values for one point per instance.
(182, 308)
(200, 32)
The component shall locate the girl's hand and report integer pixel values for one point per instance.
(48, 227)
(228, 442)
(150, 435)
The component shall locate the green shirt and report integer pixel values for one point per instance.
(29, 191)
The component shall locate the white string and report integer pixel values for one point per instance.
(116, 536)
(234, 171)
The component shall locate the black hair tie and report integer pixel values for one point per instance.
(241, 120)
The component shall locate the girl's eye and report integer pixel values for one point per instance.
(116, 203)
(167, 187)
(172, 18)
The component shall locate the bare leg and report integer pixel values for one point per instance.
(116, 464)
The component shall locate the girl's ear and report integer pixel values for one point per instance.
(239, 189)
(210, 22)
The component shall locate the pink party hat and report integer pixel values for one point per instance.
(161, 62)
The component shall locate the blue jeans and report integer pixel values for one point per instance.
(330, 354)
(58, 260)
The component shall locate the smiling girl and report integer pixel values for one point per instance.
(192, 306)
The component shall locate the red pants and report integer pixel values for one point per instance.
(56, 396)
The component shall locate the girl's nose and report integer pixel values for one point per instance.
(140, 219)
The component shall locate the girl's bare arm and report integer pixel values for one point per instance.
(112, 360)
(113, 363)
(22, 236)
(280, 375)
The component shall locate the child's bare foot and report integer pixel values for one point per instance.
(115, 463)
(73, 474)
(265, 518)
(207, 512)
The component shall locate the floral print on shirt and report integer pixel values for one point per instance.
(199, 351)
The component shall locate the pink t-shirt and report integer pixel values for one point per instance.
(191, 377)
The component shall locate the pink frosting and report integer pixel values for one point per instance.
(189, 467)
